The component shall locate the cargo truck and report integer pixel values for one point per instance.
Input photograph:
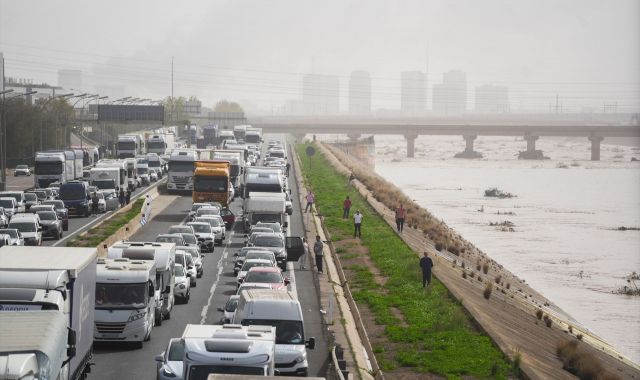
(121, 165)
(30, 280)
(128, 146)
(35, 345)
(181, 168)
(211, 181)
(236, 159)
(160, 143)
(125, 300)
(228, 349)
(52, 167)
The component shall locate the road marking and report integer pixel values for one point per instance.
(205, 308)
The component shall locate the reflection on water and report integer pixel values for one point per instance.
(565, 213)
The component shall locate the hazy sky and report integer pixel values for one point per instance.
(587, 51)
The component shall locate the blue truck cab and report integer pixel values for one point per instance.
(76, 197)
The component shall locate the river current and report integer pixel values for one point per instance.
(566, 211)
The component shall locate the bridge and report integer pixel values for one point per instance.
(594, 127)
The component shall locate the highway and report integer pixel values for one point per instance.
(117, 361)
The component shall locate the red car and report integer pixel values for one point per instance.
(228, 217)
(267, 275)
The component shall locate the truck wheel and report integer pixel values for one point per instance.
(139, 345)
(168, 315)
(159, 320)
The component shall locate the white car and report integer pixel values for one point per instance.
(22, 170)
(196, 255)
(205, 234)
(217, 226)
(229, 309)
(15, 238)
(194, 208)
(170, 361)
(153, 175)
(183, 285)
(248, 264)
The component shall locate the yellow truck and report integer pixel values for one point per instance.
(211, 181)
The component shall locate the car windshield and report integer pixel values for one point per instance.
(104, 183)
(181, 166)
(201, 228)
(170, 239)
(179, 229)
(231, 305)
(49, 167)
(143, 170)
(121, 295)
(268, 241)
(250, 264)
(195, 207)
(265, 277)
(68, 193)
(30, 197)
(287, 332)
(179, 270)
(22, 167)
(12, 233)
(176, 351)
(260, 255)
(8, 203)
(23, 226)
(208, 211)
(190, 239)
(57, 204)
(47, 215)
(16, 196)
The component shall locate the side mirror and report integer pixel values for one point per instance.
(220, 309)
(202, 255)
(236, 254)
(159, 358)
(167, 289)
(311, 343)
(285, 224)
(39, 229)
(188, 274)
(287, 281)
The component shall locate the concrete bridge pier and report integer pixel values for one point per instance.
(353, 136)
(595, 147)
(411, 145)
(531, 153)
(299, 136)
(468, 150)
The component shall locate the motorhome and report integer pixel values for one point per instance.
(132, 175)
(31, 281)
(35, 345)
(281, 310)
(125, 300)
(265, 207)
(164, 256)
(211, 181)
(225, 135)
(52, 167)
(156, 163)
(253, 136)
(181, 169)
(105, 178)
(239, 131)
(128, 146)
(262, 179)
(228, 349)
(121, 165)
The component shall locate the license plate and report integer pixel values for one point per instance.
(110, 336)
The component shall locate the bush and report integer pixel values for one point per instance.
(438, 247)
(485, 268)
(579, 362)
(539, 313)
(547, 321)
(508, 285)
(498, 279)
(478, 265)
(487, 290)
(464, 274)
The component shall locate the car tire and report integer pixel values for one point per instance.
(188, 297)
(159, 320)
(194, 284)
(168, 315)
(148, 337)
(139, 345)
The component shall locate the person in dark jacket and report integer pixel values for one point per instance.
(318, 250)
(426, 264)
(128, 197)
(121, 198)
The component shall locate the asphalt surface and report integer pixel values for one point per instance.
(117, 361)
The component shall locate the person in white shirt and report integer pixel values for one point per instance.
(303, 258)
(357, 222)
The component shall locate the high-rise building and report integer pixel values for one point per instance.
(492, 99)
(321, 94)
(70, 79)
(413, 92)
(360, 93)
(450, 97)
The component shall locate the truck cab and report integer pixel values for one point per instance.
(49, 167)
(125, 300)
(228, 349)
(211, 181)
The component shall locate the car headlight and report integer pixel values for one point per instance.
(167, 372)
(135, 317)
(301, 358)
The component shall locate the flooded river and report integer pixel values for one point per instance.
(566, 212)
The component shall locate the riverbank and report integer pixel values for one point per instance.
(510, 316)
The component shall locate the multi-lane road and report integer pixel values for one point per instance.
(117, 361)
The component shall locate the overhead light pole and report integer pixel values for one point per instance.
(87, 100)
(44, 105)
(98, 120)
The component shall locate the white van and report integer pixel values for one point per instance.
(281, 310)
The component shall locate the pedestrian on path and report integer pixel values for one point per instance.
(128, 197)
(357, 222)
(121, 198)
(287, 170)
(318, 250)
(310, 199)
(346, 206)
(303, 258)
(426, 264)
(400, 215)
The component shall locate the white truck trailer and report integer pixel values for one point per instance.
(228, 349)
(181, 169)
(52, 167)
(128, 146)
(265, 207)
(35, 345)
(31, 280)
(164, 256)
(125, 300)
(161, 143)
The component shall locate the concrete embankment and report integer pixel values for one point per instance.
(515, 316)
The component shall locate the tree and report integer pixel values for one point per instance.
(174, 110)
(227, 106)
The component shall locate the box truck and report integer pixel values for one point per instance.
(211, 181)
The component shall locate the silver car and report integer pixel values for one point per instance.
(170, 361)
(15, 238)
(183, 285)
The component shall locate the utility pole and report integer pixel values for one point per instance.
(173, 101)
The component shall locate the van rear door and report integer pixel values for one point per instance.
(294, 248)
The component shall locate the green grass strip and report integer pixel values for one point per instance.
(437, 335)
(96, 235)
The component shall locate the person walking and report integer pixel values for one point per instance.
(128, 196)
(288, 167)
(426, 264)
(400, 215)
(318, 250)
(357, 222)
(310, 199)
(121, 198)
(346, 206)
(303, 258)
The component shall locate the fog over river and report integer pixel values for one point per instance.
(566, 212)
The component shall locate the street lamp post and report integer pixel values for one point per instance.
(44, 105)
(80, 97)
(98, 121)
(87, 99)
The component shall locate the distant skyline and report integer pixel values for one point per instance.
(255, 52)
